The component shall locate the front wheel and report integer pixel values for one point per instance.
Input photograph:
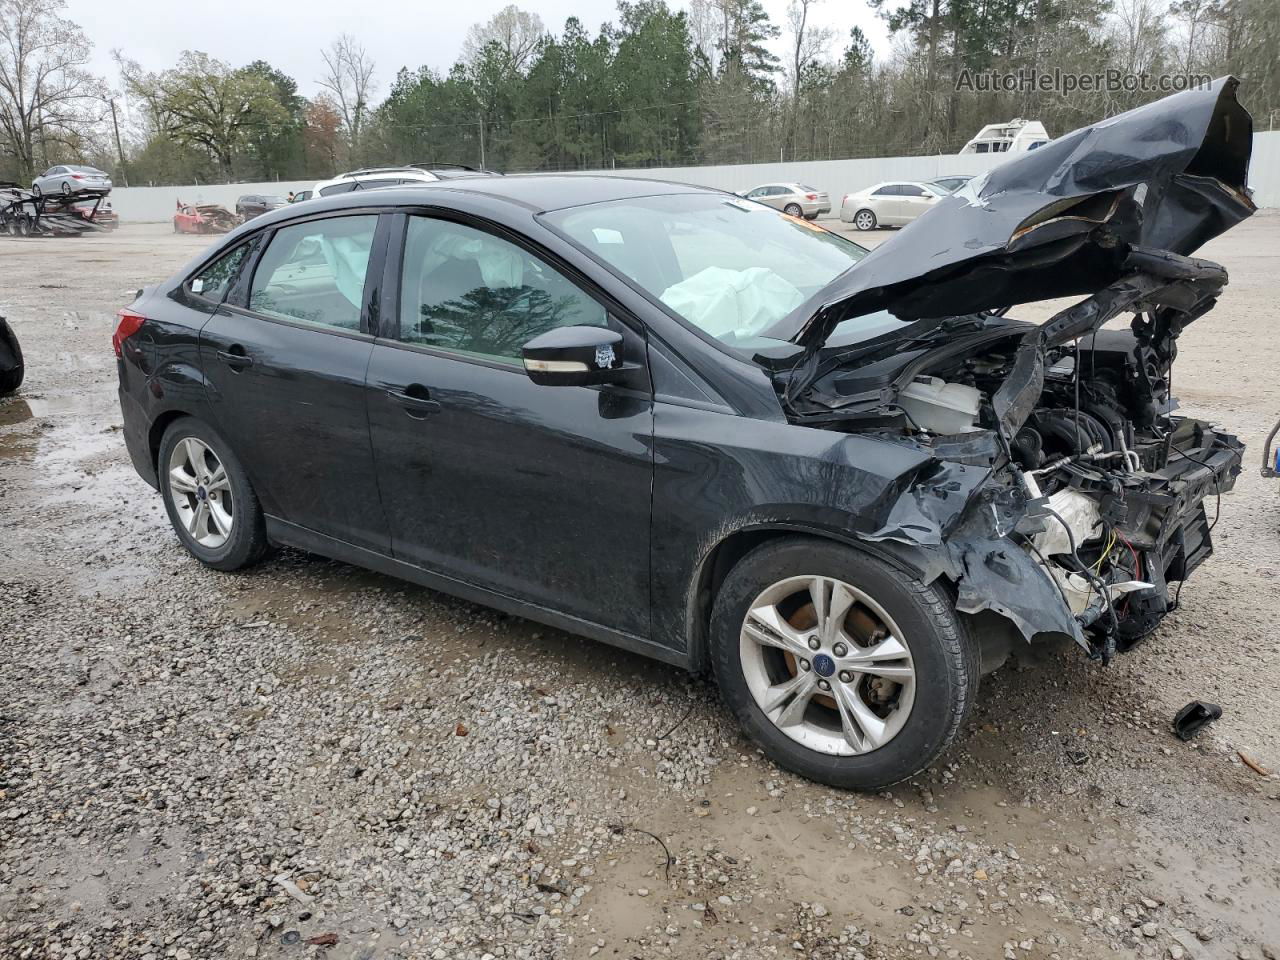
(864, 220)
(35, 190)
(210, 502)
(838, 665)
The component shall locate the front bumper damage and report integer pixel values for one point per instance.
(1073, 495)
(985, 533)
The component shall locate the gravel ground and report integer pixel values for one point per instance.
(310, 760)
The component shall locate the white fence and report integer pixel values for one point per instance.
(836, 177)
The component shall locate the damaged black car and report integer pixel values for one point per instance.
(689, 425)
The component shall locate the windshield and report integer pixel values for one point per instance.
(730, 267)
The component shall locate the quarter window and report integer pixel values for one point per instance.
(468, 291)
(314, 272)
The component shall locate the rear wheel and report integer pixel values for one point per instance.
(864, 220)
(842, 669)
(211, 504)
(793, 210)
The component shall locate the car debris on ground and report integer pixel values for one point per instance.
(1194, 717)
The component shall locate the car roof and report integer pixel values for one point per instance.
(535, 191)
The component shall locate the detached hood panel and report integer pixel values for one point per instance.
(1060, 220)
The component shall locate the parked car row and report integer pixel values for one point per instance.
(888, 204)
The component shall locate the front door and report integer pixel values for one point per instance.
(537, 493)
(286, 371)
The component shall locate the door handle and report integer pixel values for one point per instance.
(416, 400)
(235, 357)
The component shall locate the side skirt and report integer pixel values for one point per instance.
(290, 534)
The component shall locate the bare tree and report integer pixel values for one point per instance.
(706, 28)
(516, 31)
(349, 78)
(46, 95)
(808, 44)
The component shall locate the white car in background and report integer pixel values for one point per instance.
(894, 203)
(374, 178)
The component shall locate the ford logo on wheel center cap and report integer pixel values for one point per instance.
(823, 665)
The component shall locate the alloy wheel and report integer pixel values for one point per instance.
(201, 492)
(827, 666)
(864, 220)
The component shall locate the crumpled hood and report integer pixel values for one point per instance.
(1060, 220)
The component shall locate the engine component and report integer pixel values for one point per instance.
(938, 406)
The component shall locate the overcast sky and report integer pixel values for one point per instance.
(289, 34)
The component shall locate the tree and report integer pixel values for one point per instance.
(46, 95)
(277, 148)
(349, 80)
(515, 31)
(808, 43)
(205, 103)
(321, 137)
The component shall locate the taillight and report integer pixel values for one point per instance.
(77, 176)
(811, 196)
(130, 323)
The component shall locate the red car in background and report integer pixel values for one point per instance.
(203, 218)
(98, 212)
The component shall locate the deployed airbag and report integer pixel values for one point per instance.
(724, 302)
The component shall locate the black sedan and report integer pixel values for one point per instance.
(685, 423)
(256, 204)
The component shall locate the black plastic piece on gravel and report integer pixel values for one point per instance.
(1193, 717)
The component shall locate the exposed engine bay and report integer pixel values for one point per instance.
(1062, 492)
(1107, 483)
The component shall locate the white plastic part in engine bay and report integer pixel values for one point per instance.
(935, 405)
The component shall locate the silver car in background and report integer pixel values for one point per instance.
(70, 179)
(891, 204)
(793, 199)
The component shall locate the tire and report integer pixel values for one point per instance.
(865, 219)
(245, 543)
(793, 210)
(35, 190)
(66, 189)
(12, 368)
(941, 657)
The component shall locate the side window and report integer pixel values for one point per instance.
(982, 147)
(465, 290)
(346, 186)
(909, 190)
(213, 282)
(314, 272)
(888, 190)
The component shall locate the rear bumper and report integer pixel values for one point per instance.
(137, 437)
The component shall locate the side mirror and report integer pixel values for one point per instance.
(575, 357)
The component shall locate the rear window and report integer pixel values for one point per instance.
(335, 188)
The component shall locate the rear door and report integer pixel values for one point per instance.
(285, 359)
(538, 493)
